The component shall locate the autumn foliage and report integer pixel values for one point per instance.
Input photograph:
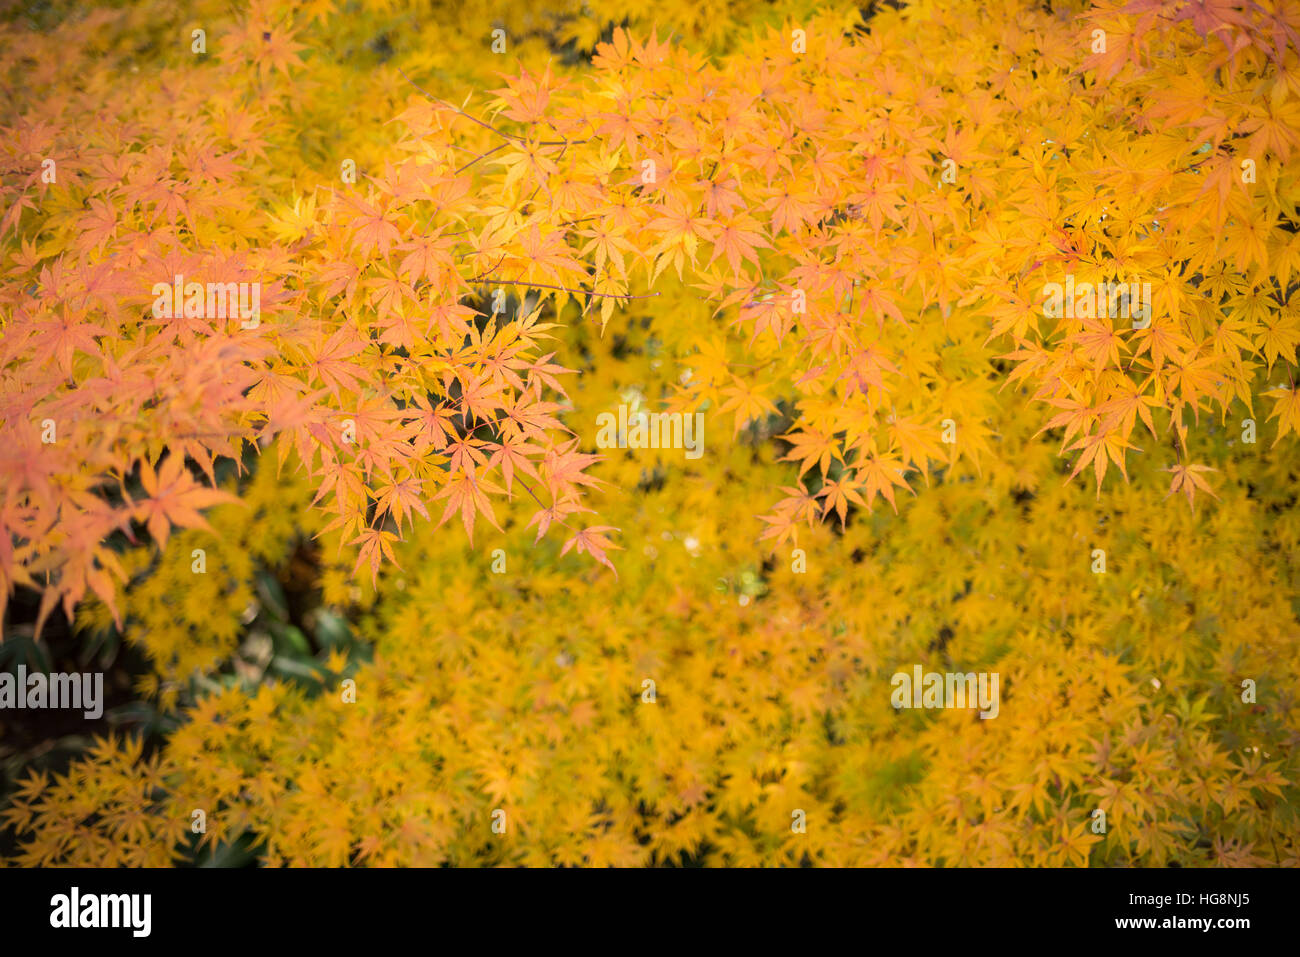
(832, 232)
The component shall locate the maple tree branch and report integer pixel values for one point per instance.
(512, 137)
(478, 157)
(1185, 169)
(555, 520)
(754, 368)
(574, 222)
(471, 118)
(489, 272)
(585, 292)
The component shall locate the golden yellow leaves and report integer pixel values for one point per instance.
(595, 543)
(1187, 478)
(174, 498)
(466, 492)
(115, 788)
(813, 448)
(748, 401)
(1286, 409)
(1100, 449)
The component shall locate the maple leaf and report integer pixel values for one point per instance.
(402, 497)
(563, 469)
(797, 506)
(1101, 448)
(467, 492)
(526, 96)
(430, 425)
(333, 361)
(748, 401)
(376, 544)
(737, 239)
(512, 453)
(371, 230)
(1187, 478)
(543, 517)
(173, 497)
(812, 447)
(594, 542)
(880, 475)
(1286, 409)
(838, 494)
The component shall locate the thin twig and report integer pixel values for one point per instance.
(513, 138)
(585, 292)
